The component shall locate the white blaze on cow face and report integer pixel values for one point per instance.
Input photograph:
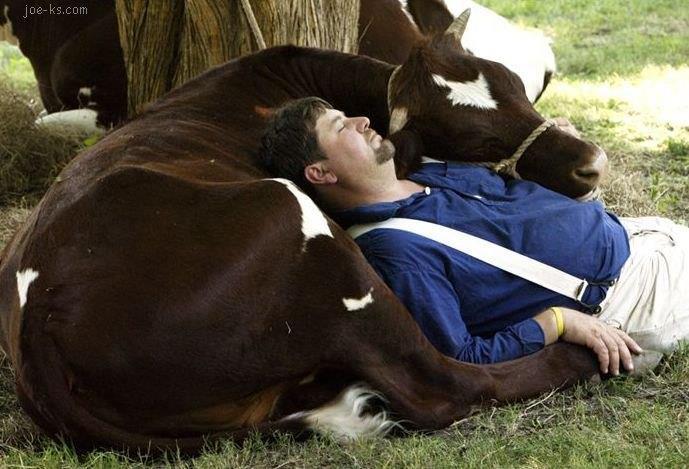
(24, 280)
(313, 222)
(472, 93)
(355, 304)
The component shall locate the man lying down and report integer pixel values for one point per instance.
(634, 272)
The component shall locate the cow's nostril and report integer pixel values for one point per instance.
(589, 172)
(593, 172)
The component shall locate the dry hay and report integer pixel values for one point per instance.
(624, 194)
(10, 218)
(30, 158)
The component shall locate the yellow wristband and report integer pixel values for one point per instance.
(559, 321)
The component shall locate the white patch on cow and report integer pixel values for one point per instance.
(85, 91)
(343, 419)
(472, 93)
(313, 222)
(355, 304)
(525, 51)
(24, 280)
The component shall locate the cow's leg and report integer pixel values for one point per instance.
(380, 344)
(93, 59)
(433, 391)
(426, 390)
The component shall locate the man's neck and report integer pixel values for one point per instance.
(398, 189)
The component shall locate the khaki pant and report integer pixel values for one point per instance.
(650, 301)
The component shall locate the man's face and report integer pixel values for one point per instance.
(351, 147)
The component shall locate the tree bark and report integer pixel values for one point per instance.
(205, 38)
(167, 43)
(149, 35)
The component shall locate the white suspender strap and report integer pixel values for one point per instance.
(490, 253)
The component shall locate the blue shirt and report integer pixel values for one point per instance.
(468, 309)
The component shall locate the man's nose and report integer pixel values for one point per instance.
(362, 123)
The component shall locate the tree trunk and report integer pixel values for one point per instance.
(167, 43)
(149, 34)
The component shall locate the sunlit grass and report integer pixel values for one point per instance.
(646, 111)
(597, 39)
(642, 122)
(16, 69)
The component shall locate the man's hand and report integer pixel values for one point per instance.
(564, 124)
(610, 344)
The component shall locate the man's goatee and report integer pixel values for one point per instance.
(385, 152)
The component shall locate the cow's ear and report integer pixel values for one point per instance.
(459, 25)
(264, 112)
(431, 16)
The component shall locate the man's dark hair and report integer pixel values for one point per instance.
(289, 143)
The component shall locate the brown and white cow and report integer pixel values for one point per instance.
(167, 291)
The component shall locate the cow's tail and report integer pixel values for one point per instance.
(43, 387)
(345, 417)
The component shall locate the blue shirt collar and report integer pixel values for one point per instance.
(430, 174)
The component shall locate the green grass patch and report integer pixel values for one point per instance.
(16, 69)
(597, 39)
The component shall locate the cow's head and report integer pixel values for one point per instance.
(471, 109)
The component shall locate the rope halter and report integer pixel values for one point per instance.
(509, 165)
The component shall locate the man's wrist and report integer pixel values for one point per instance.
(549, 326)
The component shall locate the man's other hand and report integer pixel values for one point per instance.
(564, 124)
(612, 346)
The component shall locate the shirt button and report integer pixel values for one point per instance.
(427, 190)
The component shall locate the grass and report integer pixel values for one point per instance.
(15, 68)
(623, 69)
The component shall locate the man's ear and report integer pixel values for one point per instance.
(318, 173)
